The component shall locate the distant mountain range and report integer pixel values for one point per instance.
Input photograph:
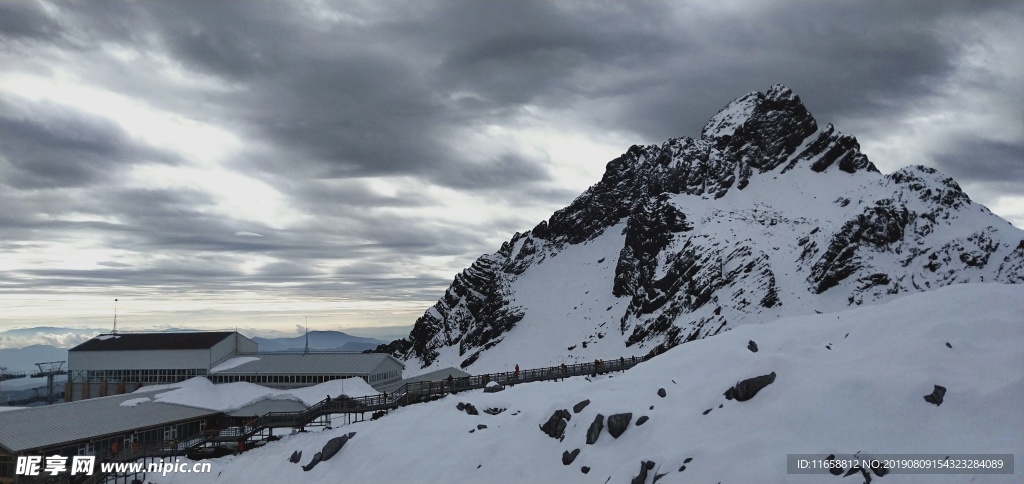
(319, 340)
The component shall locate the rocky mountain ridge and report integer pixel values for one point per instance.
(765, 215)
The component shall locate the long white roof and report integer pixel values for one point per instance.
(52, 425)
(306, 364)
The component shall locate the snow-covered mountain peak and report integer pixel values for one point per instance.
(763, 216)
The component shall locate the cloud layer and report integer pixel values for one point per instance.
(224, 163)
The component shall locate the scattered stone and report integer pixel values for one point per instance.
(650, 465)
(674, 382)
(642, 477)
(661, 392)
(580, 406)
(707, 411)
(752, 346)
(687, 460)
(584, 469)
(493, 410)
(617, 423)
(595, 429)
(479, 465)
(472, 430)
(828, 347)
(555, 426)
(658, 476)
(640, 421)
(833, 468)
(682, 468)
(720, 405)
(332, 447)
(312, 463)
(470, 409)
(493, 387)
(296, 457)
(936, 396)
(481, 426)
(948, 345)
(651, 408)
(568, 457)
(746, 389)
(461, 406)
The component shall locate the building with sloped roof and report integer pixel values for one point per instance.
(92, 427)
(117, 363)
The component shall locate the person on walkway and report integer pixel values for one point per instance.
(622, 363)
(328, 400)
(114, 448)
(241, 446)
(515, 374)
(565, 371)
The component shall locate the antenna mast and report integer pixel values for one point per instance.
(306, 352)
(115, 317)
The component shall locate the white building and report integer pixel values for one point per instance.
(291, 370)
(112, 364)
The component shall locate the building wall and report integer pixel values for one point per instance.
(139, 359)
(229, 347)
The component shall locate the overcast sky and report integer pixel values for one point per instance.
(250, 164)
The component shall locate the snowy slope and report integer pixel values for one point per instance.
(847, 382)
(766, 215)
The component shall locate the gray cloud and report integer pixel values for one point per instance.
(326, 96)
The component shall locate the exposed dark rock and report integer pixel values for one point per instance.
(936, 396)
(312, 463)
(687, 460)
(332, 447)
(296, 457)
(493, 410)
(682, 468)
(580, 406)
(948, 345)
(617, 423)
(555, 426)
(834, 469)
(585, 469)
(644, 467)
(594, 431)
(640, 421)
(568, 457)
(752, 346)
(661, 392)
(494, 388)
(707, 411)
(461, 406)
(657, 477)
(481, 426)
(746, 389)
(470, 409)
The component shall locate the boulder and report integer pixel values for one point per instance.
(312, 463)
(493, 410)
(481, 426)
(752, 346)
(661, 392)
(568, 457)
(332, 447)
(936, 396)
(746, 389)
(595, 429)
(470, 409)
(644, 467)
(580, 406)
(617, 423)
(555, 426)
(640, 421)
(585, 469)
(296, 457)
(460, 406)
(493, 387)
